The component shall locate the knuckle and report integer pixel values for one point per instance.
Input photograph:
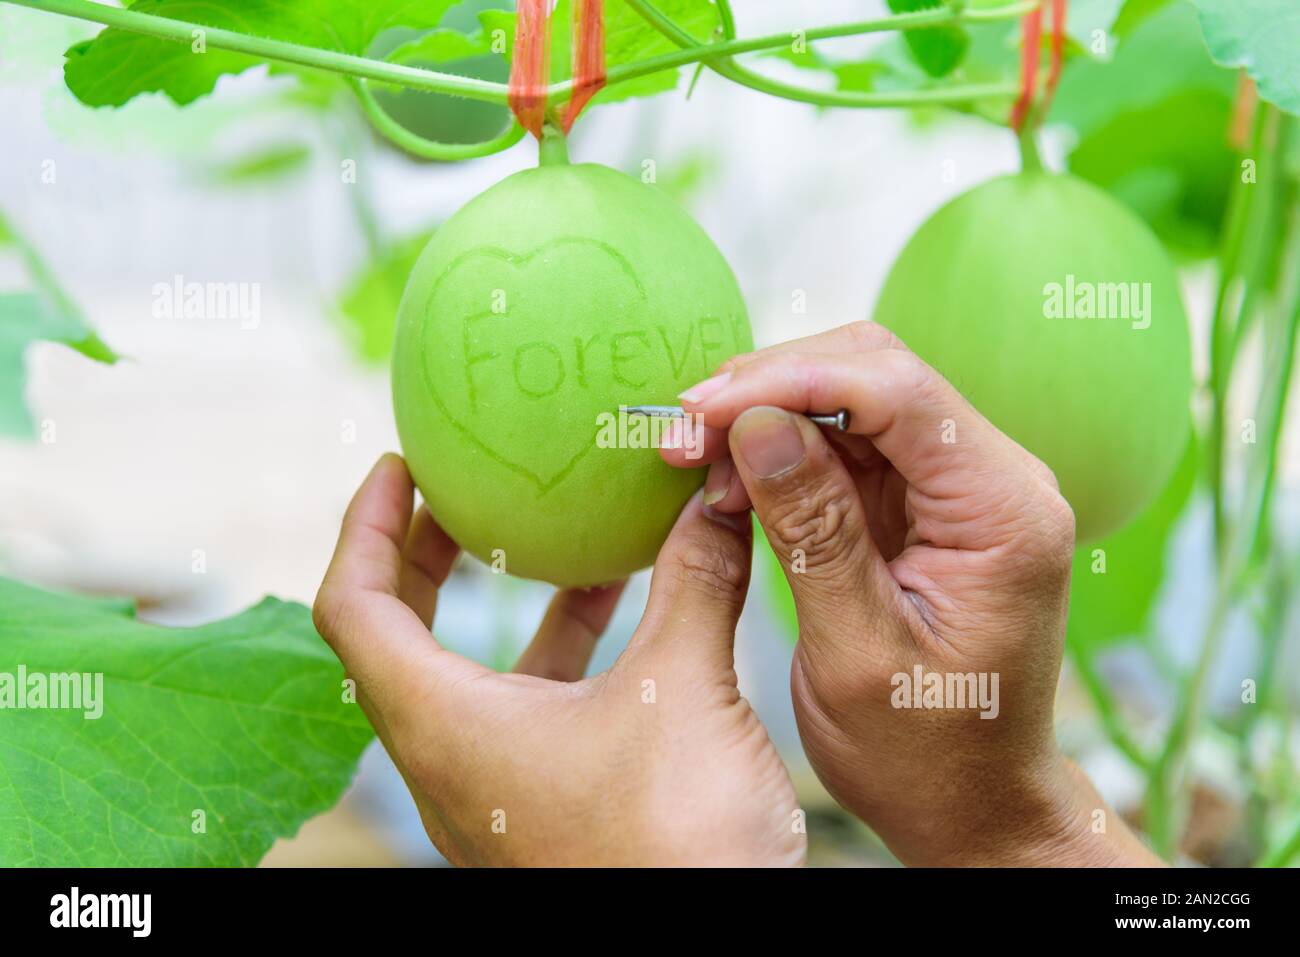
(1043, 471)
(1058, 527)
(1047, 552)
(734, 362)
(325, 611)
(907, 369)
(817, 522)
(872, 335)
(702, 566)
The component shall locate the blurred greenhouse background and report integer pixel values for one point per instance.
(246, 443)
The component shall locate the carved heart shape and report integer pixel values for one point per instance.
(528, 344)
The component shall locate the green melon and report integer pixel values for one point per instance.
(1056, 312)
(552, 298)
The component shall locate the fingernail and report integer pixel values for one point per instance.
(701, 391)
(719, 480)
(769, 441)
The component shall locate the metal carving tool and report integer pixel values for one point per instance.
(835, 420)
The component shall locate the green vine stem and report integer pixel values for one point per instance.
(554, 148)
(1286, 849)
(417, 145)
(277, 50)
(1112, 722)
(724, 66)
(1227, 323)
(716, 55)
(1164, 795)
(695, 52)
(1031, 160)
(430, 81)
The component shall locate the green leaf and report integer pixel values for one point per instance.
(369, 306)
(269, 163)
(938, 50)
(1108, 606)
(1084, 17)
(26, 317)
(628, 39)
(441, 46)
(1262, 37)
(435, 116)
(116, 65)
(242, 720)
(1156, 138)
(1092, 94)
(1136, 11)
(1170, 163)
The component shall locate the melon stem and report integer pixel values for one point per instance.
(554, 149)
(1030, 160)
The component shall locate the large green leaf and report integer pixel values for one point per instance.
(1134, 12)
(1084, 17)
(1156, 138)
(240, 725)
(1261, 36)
(116, 65)
(1171, 163)
(1115, 603)
(1093, 94)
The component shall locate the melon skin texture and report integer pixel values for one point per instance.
(552, 298)
(979, 292)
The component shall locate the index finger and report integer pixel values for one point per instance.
(940, 444)
(359, 610)
(855, 337)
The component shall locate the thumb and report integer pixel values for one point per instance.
(698, 589)
(810, 508)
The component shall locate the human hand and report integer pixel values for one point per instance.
(658, 761)
(924, 539)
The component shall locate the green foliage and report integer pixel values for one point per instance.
(1116, 603)
(1262, 37)
(369, 306)
(26, 318)
(628, 39)
(242, 719)
(1136, 11)
(939, 50)
(1156, 139)
(31, 316)
(1083, 17)
(1171, 163)
(461, 45)
(263, 165)
(116, 65)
